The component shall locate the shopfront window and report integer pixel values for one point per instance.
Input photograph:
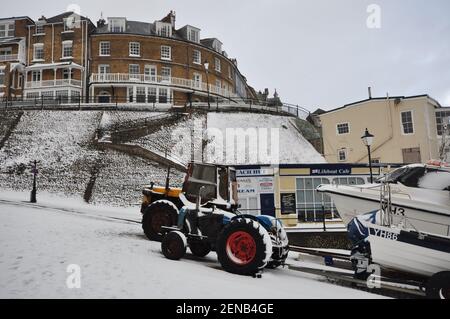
(312, 205)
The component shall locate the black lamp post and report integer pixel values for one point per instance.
(34, 190)
(368, 140)
(206, 65)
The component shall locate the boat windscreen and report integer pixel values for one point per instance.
(420, 177)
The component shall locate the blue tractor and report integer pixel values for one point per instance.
(209, 220)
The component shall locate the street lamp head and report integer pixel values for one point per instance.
(206, 64)
(367, 138)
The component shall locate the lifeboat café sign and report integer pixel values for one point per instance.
(332, 170)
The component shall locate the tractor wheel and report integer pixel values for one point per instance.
(438, 286)
(174, 245)
(200, 248)
(159, 214)
(244, 247)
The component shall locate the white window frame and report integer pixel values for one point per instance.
(166, 77)
(6, 51)
(152, 94)
(150, 73)
(134, 75)
(41, 27)
(198, 54)
(166, 53)
(217, 46)
(344, 123)
(38, 76)
(64, 46)
(163, 29)
(102, 67)
(41, 46)
(342, 151)
(7, 26)
(134, 49)
(197, 80)
(217, 64)
(193, 35)
(161, 95)
(68, 74)
(102, 49)
(2, 77)
(230, 74)
(412, 123)
(68, 27)
(117, 25)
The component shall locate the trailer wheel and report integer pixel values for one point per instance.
(244, 247)
(159, 214)
(200, 248)
(174, 245)
(438, 286)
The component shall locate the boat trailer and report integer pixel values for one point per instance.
(387, 285)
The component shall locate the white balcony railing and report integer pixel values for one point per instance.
(53, 83)
(9, 57)
(161, 80)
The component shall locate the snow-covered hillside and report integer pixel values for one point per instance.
(115, 260)
(59, 141)
(286, 146)
(69, 161)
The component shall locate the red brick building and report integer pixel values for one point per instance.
(67, 57)
(13, 38)
(143, 62)
(57, 55)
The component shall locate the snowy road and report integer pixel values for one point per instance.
(117, 261)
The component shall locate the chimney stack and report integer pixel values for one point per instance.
(370, 92)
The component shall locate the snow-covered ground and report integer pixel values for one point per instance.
(286, 146)
(40, 243)
(182, 140)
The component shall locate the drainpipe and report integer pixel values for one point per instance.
(391, 135)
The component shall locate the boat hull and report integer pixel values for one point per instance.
(406, 252)
(429, 218)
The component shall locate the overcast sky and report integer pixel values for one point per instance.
(316, 53)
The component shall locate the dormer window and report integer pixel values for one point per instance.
(69, 24)
(163, 29)
(7, 30)
(117, 25)
(217, 46)
(192, 34)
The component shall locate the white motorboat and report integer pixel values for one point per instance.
(409, 251)
(420, 195)
(398, 249)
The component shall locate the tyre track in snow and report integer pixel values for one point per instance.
(71, 212)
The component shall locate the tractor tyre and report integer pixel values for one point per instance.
(438, 286)
(157, 215)
(244, 247)
(174, 245)
(200, 248)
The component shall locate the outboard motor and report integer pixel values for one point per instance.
(357, 234)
